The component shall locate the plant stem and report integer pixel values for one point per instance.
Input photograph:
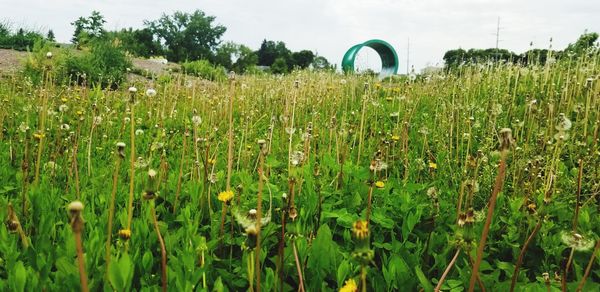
(363, 278)
(488, 221)
(522, 254)
(132, 167)
(163, 250)
(111, 212)
(259, 217)
(180, 176)
(298, 268)
(443, 278)
(589, 266)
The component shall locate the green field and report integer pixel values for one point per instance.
(311, 181)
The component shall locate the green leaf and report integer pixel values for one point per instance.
(423, 279)
(121, 273)
(147, 260)
(19, 277)
(323, 251)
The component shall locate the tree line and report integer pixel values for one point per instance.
(457, 57)
(186, 37)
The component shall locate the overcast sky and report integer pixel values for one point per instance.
(330, 27)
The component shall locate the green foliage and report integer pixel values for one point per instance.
(21, 40)
(138, 42)
(583, 46)
(104, 65)
(330, 139)
(87, 29)
(280, 66)
(187, 36)
(205, 70)
(302, 59)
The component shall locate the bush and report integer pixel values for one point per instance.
(204, 69)
(104, 65)
(22, 40)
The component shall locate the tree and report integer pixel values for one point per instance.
(224, 54)
(235, 57)
(246, 58)
(187, 36)
(279, 66)
(139, 42)
(321, 63)
(303, 59)
(50, 36)
(585, 41)
(88, 28)
(269, 51)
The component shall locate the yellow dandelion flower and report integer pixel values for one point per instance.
(212, 161)
(225, 196)
(360, 229)
(432, 165)
(64, 99)
(125, 234)
(396, 138)
(349, 286)
(389, 98)
(79, 113)
(379, 184)
(39, 136)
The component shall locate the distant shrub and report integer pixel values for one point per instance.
(204, 69)
(104, 64)
(21, 40)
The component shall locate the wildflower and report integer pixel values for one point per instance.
(349, 286)
(379, 184)
(23, 127)
(432, 192)
(343, 81)
(290, 131)
(49, 55)
(39, 135)
(121, 149)
(124, 234)
(506, 139)
(132, 90)
(395, 138)
(150, 92)
(139, 132)
(297, 157)
(360, 229)
(576, 241)
(564, 124)
(196, 120)
(225, 197)
(63, 108)
(546, 277)
(97, 120)
(248, 221)
(432, 165)
(378, 165)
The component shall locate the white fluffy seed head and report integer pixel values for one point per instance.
(150, 92)
(75, 206)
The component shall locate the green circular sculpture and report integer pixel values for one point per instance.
(389, 58)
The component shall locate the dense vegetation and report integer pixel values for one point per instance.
(485, 176)
(454, 58)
